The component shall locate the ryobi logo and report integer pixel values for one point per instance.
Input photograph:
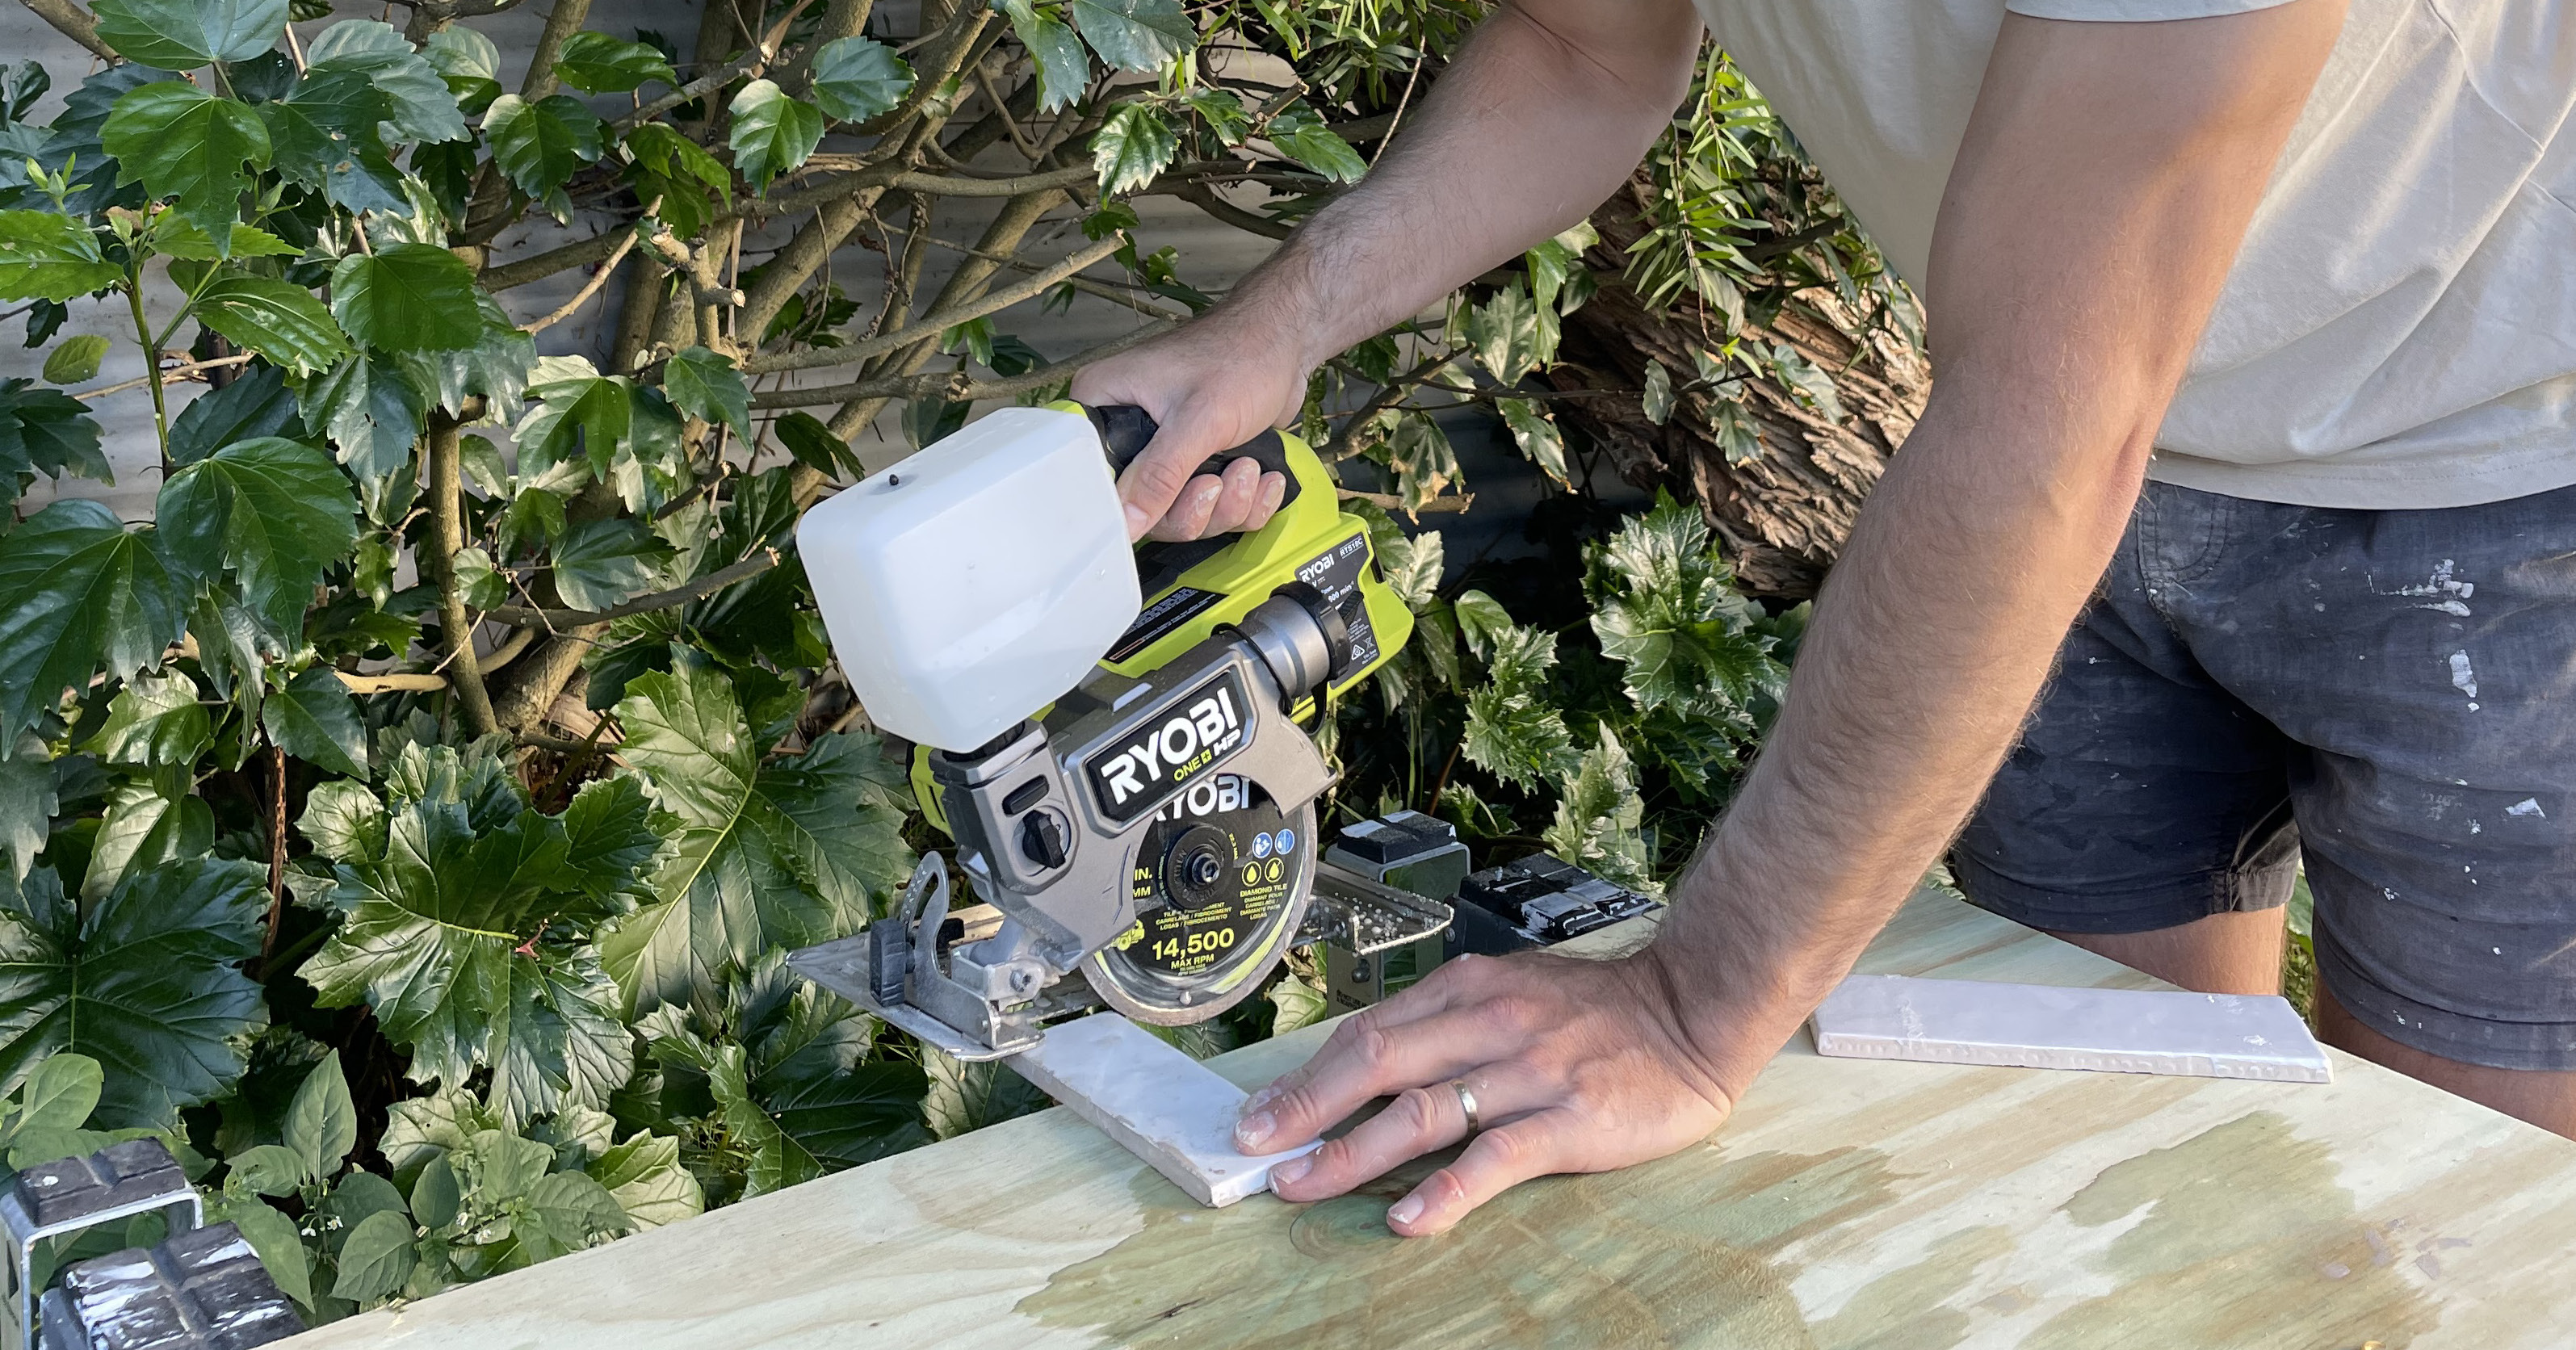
(1148, 766)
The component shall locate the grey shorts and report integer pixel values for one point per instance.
(2391, 693)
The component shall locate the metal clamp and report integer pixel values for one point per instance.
(56, 1198)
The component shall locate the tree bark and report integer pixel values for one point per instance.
(1783, 513)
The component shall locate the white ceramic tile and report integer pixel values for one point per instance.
(1166, 1107)
(2046, 1027)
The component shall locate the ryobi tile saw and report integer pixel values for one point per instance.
(1115, 737)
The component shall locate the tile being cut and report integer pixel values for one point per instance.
(1165, 1107)
(2048, 1027)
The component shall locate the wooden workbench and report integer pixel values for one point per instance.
(1849, 1204)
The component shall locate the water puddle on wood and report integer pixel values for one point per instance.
(2249, 1242)
(1673, 1253)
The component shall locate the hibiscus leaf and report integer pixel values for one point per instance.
(1135, 34)
(541, 145)
(423, 108)
(771, 133)
(314, 719)
(704, 385)
(274, 513)
(1135, 143)
(855, 78)
(407, 296)
(596, 63)
(182, 142)
(186, 34)
(599, 563)
(48, 256)
(78, 593)
(277, 319)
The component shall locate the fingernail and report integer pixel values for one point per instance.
(1254, 1130)
(1137, 521)
(1291, 1172)
(1405, 1211)
(1259, 1100)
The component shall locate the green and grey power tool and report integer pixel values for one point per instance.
(1151, 824)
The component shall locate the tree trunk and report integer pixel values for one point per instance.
(1783, 513)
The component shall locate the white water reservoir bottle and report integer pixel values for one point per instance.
(977, 581)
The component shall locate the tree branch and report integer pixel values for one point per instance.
(539, 266)
(952, 384)
(561, 23)
(447, 530)
(930, 326)
(582, 297)
(553, 619)
(75, 23)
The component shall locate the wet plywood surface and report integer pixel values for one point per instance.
(1850, 1205)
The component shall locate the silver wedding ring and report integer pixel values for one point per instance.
(1466, 1103)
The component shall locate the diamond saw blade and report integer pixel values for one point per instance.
(1221, 880)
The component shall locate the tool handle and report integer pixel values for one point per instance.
(1125, 430)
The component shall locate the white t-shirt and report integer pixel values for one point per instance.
(2399, 329)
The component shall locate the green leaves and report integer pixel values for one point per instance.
(407, 296)
(42, 1121)
(1135, 34)
(771, 133)
(702, 384)
(78, 593)
(155, 721)
(1666, 608)
(765, 855)
(314, 719)
(274, 513)
(541, 145)
(323, 135)
(1135, 143)
(422, 108)
(1063, 69)
(186, 34)
(855, 78)
(76, 359)
(815, 447)
(322, 1122)
(145, 982)
(179, 141)
(1536, 434)
(599, 563)
(45, 431)
(1504, 331)
(278, 319)
(371, 410)
(464, 938)
(1596, 826)
(1301, 135)
(596, 63)
(47, 256)
(375, 1258)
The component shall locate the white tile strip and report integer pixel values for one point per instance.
(2046, 1027)
(1164, 1106)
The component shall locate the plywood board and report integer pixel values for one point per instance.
(1849, 1204)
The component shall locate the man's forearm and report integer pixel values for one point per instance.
(2068, 285)
(1537, 122)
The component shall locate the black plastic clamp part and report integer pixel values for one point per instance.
(1126, 430)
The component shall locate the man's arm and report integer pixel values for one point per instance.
(2107, 177)
(1534, 124)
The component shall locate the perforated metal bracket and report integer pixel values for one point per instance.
(122, 1180)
